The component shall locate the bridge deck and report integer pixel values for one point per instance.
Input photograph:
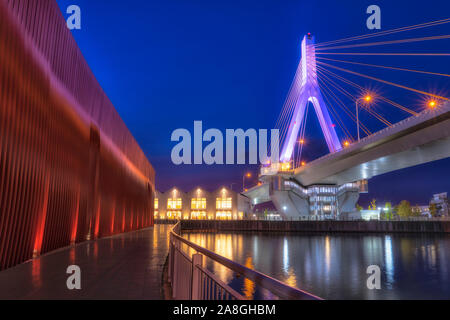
(126, 266)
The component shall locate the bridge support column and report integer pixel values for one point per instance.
(294, 201)
(346, 202)
(290, 199)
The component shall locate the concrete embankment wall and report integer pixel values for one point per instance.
(317, 226)
(165, 221)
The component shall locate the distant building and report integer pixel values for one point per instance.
(423, 211)
(221, 204)
(441, 202)
(370, 214)
(265, 211)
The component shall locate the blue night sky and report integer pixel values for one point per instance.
(164, 64)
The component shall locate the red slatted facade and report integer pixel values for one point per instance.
(70, 170)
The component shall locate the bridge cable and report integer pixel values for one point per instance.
(384, 81)
(343, 106)
(371, 44)
(426, 54)
(386, 32)
(339, 121)
(345, 109)
(386, 67)
(362, 89)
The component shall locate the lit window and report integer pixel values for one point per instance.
(156, 203)
(173, 214)
(223, 203)
(223, 215)
(198, 203)
(174, 203)
(198, 215)
(285, 166)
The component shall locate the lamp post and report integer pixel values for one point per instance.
(301, 141)
(431, 104)
(248, 175)
(366, 98)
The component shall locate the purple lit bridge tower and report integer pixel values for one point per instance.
(329, 187)
(292, 198)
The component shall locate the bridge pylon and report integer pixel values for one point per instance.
(306, 89)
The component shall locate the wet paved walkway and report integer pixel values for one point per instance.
(126, 266)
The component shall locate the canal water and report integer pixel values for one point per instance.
(334, 266)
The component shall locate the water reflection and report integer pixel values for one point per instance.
(249, 286)
(334, 266)
(290, 278)
(327, 254)
(285, 255)
(389, 261)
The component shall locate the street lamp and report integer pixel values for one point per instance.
(301, 142)
(367, 98)
(432, 104)
(247, 175)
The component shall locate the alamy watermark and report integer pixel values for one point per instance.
(74, 20)
(374, 20)
(213, 151)
(74, 280)
(374, 280)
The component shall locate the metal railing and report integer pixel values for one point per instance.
(190, 280)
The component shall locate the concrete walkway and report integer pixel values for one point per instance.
(126, 266)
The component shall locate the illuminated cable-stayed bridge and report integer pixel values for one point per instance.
(71, 173)
(330, 186)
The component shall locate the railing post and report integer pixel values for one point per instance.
(170, 271)
(176, 280)
(197, 260)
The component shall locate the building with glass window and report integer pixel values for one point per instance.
(441, 203)
(198, 203)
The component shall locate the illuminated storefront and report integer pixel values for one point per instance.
(174, 206)
(200, 204)
(223, 207)
(223, 215)
(198, 215)
(173, 214)
(198, 208)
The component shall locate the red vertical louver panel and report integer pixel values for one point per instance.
(70, 170)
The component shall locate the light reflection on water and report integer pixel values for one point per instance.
(333, 266)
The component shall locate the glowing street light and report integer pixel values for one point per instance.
(346, 143)
(367, 98)
(247, 175)
(432, 104)
(303, 163)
